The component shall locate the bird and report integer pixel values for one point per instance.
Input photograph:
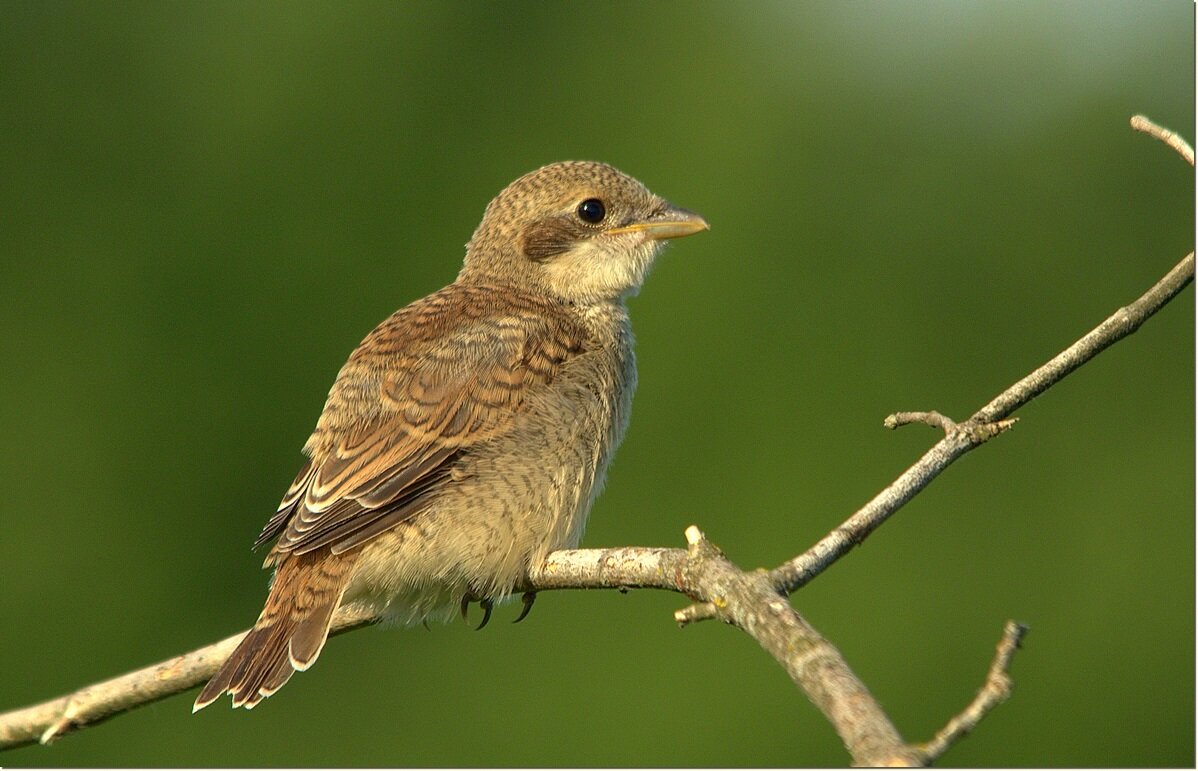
(469, 433)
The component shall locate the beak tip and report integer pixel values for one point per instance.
(687, 223)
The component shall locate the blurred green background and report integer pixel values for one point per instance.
(205, 206)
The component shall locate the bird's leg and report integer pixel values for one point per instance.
(528, 598)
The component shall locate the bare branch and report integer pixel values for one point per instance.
(1171, 138)
(589, 568)
(96, 703)
(990, 419)
(1117, 326)
(798, 571)
(749, 601)
(995, 691)
(701, 571)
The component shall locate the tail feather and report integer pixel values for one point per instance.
(259, 663)
(309, 635)
(277, 678)
(289, 634)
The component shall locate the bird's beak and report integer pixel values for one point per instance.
(671, 223)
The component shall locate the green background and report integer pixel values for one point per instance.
(205, 206)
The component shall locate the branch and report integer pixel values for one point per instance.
(1171, 138)
(995, 691)
(986, 423)
(96, 703)
(753, 601)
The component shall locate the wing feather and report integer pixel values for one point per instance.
(438, 378)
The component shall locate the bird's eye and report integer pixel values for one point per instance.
(592, 210)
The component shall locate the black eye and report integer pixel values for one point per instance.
(592, 210)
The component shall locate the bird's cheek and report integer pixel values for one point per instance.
(582, 276)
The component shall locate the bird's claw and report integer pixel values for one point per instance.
(486, 605)
(483, 603)
(528, 598)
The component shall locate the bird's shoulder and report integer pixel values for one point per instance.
(449, 368)
(462, 323)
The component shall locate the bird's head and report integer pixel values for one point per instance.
(578, 230)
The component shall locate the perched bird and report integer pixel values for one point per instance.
(469, 433)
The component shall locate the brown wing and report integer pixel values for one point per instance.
(436, 379)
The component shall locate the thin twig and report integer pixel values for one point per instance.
(696, 611)
(798, 571)
(931, 418)
(975, 431)
(1171, 138)
(995, 691)
(1117, 326)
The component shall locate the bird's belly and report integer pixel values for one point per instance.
(512, 503)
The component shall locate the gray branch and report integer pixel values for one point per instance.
(753, 601)
(995, 691)
(96, 703)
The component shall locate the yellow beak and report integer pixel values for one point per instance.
(672, 223)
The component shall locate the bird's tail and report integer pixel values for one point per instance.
(289, 634)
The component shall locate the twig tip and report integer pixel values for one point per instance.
(1172, 138)
(994, 691)
(699, 611)
(51, 733)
